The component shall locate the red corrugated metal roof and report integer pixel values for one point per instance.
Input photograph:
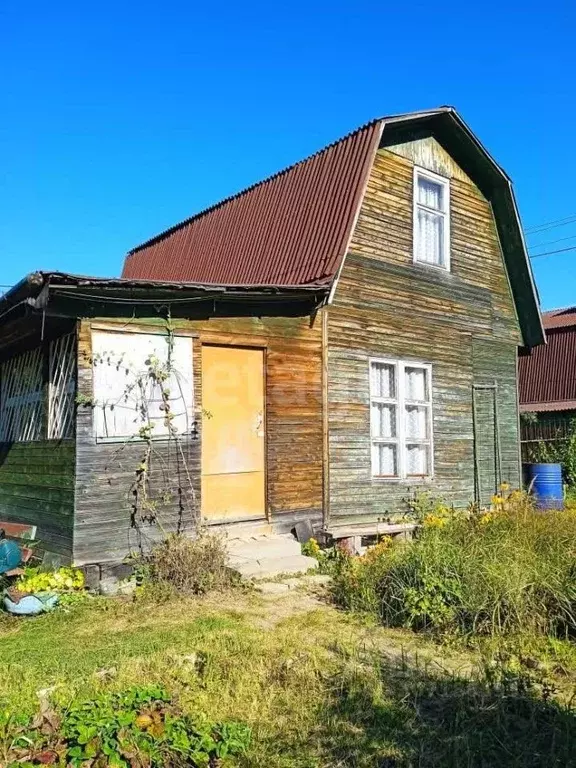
(548, 373)
(559, 318)
(291, 229)
(563, 405)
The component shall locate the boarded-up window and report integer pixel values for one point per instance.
(25, 394)
(127, 392)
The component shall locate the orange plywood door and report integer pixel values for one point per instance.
(233, 477)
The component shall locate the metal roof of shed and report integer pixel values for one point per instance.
(547, 376)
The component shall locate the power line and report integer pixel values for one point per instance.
(549, 253)
(545, 226)
(551, 242)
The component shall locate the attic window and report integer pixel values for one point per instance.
(431, 219)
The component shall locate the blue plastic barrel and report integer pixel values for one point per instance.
(546, 483)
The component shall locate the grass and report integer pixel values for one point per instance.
(319, 687)
(507, 571)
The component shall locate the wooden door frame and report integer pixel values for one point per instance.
(258, 348)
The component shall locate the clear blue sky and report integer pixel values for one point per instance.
(119, 119)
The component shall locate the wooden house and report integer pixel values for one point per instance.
(341, 336)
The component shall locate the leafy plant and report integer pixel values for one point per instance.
(137, 728)
(558, 450)
(63, 580)
(498, 571)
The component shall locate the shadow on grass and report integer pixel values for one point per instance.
(409, 717)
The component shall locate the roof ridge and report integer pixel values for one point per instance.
(245, 190)
(568, 307)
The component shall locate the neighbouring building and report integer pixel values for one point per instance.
(547, 381)
(341, 336)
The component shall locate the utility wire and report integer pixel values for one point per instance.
(549, 253)
(545, 226)
(551, 242)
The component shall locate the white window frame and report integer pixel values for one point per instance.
(400, 401)
(445, 182)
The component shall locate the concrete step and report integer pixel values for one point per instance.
(258, 547)
(268, 568)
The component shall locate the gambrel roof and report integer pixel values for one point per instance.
(294, 228)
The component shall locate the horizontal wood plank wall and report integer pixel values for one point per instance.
(105, 471)
(293, 406)
(37, 487)
(387, 306)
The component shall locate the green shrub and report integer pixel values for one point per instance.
(189, 565)
(506, 570)
(138, 728)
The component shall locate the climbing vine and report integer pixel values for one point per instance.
(161, 478)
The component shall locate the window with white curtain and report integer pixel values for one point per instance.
(401, 419)
(431, 219)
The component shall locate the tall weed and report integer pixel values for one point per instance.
(194, 566)
(511, 569)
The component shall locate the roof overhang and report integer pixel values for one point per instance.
(554, 407)
(73, 296)
(450, 130)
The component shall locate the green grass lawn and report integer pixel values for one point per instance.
(318, 687)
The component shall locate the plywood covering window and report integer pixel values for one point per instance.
(431, 219)
(127, 395)
(401, 419)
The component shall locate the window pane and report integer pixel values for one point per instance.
(416, 384)
(417, 460)
(383, 380)
(430, 193)
(430, 237)
(383, 420)
(417, 422)
(384, 460)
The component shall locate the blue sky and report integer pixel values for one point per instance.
(119, 119)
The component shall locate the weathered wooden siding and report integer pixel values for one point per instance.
(37, 487)
(387, 306)
(105, 471)
(497, 434)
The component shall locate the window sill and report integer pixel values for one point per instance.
(429, 265)
(408, 481)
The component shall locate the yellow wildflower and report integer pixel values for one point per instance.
(378, 549)
(434, 521)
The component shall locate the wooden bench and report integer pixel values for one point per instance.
(351, 535)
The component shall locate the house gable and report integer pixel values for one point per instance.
(460, 323)
(476, 288)
(430, 154)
